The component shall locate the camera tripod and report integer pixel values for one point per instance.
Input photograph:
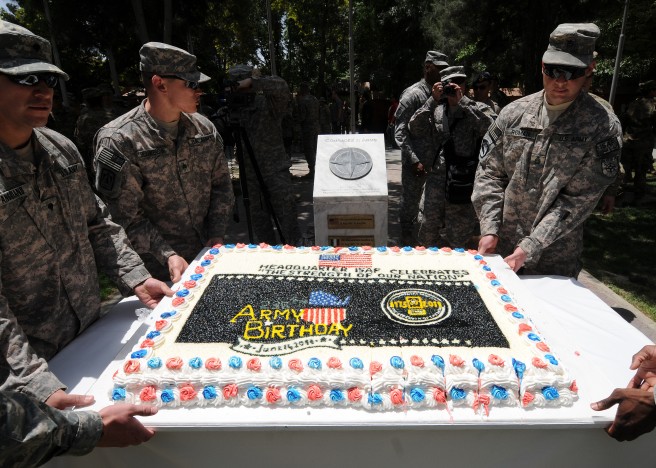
(241, 137)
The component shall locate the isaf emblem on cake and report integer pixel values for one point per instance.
(379, 329)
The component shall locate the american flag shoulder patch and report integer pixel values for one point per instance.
(112, 160)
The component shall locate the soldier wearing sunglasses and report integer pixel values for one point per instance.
(55, 234)
(161, 167)
(546, 161)
(481, 86)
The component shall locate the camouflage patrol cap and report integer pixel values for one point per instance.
(436, 58)
(23, 53)
(164, 59)
(240, 72)
(452, 72)
(572, 44)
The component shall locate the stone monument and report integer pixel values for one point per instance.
(350, 190)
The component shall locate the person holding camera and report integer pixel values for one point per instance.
(546, 162)
(413, 149)
(456, 125)
(261, 102)
(161, 167)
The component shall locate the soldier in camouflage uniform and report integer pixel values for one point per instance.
(266, 102)
(32, 433)
(456, 125)
(639, 124)
(545, 163)
(92, 117)
(414, 150)
(161, 168)
(307, 108)
(55, 232)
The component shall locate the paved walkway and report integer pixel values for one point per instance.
(238, 232)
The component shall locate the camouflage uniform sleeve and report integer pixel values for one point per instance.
(576, 201)
(222, 197)
(403, 114)
(113, 252)
(20, 367)
(422, 123)
(120, 182)
(32, 433)
(491, 181)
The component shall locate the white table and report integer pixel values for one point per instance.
(592, 341)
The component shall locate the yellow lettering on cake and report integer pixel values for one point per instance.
(337, 328)
(265, 314)
(306, 330)
(253, 330)
(281, 313)
(320, 329)
(278, 331)
(292, 328)
(247, 311)
(298, 315)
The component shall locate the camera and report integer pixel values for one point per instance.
(448, 88)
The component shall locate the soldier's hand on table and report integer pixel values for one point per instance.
(516, 259)
(636, 413)
(62, 400)
(151, 291)
(488, 244)
(644, 362)
(121, 428)
(177, 266)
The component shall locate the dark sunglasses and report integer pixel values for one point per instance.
(557, 71)
(49, 79)
(188, 84)
(480, 87)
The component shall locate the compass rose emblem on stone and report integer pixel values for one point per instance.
(350, 163)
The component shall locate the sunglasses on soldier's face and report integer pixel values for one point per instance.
(49, 79)
(557, 71)
(188, 84)
(480, 87)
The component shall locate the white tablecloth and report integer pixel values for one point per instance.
(590, 339)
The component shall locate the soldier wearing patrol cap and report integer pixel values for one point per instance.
(456, 125)
(414, 150)
(639, 124)
(55, 234)
(161, 168)
(546, 161)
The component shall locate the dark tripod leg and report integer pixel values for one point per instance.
(260, 180)
(242, 182)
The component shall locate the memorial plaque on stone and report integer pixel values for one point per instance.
(350, 190)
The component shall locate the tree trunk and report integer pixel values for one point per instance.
(55, 54)
(142, 31)
(111, 61)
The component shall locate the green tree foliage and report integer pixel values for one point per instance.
(311, 37)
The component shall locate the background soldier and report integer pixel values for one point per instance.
(55, 235)
(414, 149)
(307, 107)
(161, 167)
(93, 116)
(546, 161)
(457, 125)
(639, 124)
(261, 117)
